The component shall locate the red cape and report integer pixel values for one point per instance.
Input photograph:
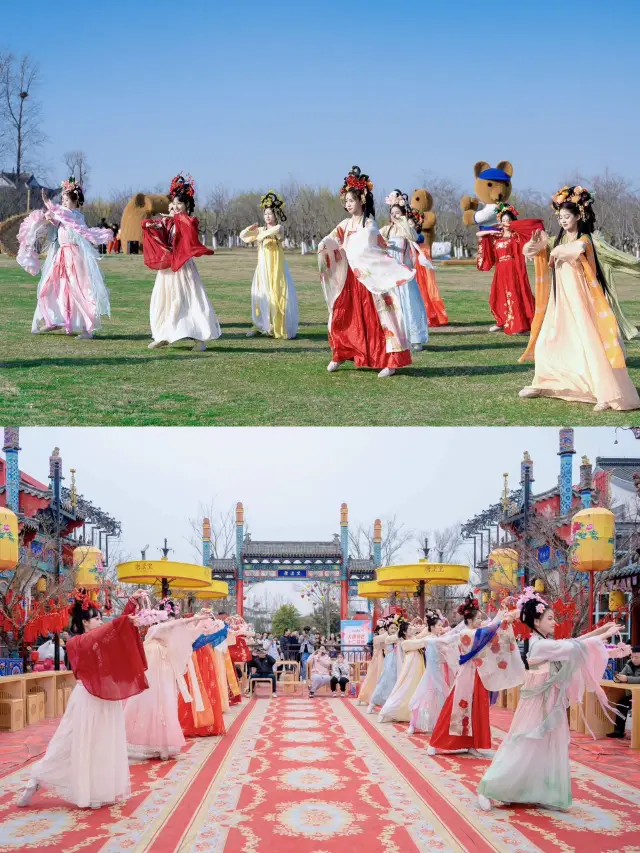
(162, 250)
(110, 660)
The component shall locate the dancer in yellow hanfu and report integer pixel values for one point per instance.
(274, 306)
(576, 341)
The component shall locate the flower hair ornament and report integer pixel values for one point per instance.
(504, 207)
(529, 594)
(169, 606)
(71, 185)
(274, 201)
(182, 185)
(468, 606)
(237, 624)
(396, 198)
(355, 180)
(577, 195)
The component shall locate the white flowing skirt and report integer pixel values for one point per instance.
(86, 761)
(151, 718)
(180, 307)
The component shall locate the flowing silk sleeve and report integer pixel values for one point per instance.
(583, 664)
(499, 664)
(333, 265)
(156, 246)
(486, 257)
(110, 660)
(612, 260)
(186, 241)
(32, 230)
(274, 231)
(539, 254)
(62, 216)
(249, 234)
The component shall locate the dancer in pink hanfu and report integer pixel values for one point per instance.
(532, 764)
(151, 719)
(72, 294)
(441, 658)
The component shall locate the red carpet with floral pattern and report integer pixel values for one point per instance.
(321, 776)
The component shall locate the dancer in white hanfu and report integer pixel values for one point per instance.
(401, 237)
(180, 307)
(360, 281)
(71, 294)
(86, 761)
(441, 667)
(393, 657)
(532, 763)
(274, 306)
(151, 719)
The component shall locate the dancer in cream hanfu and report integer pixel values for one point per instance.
(401, 237)
(71, 294)
(180, 307)
(374, 667)
(489, 661)
(397, 705)
(360, 283)
(532, 764)
(274, 305)
(576, 339)
(441, 658)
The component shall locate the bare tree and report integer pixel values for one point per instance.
(78, 166)
(395, 537)
(223, 530)
(19, 111)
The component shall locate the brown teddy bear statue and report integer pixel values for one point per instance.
(422, 201)
(493, 185)
(141, 206)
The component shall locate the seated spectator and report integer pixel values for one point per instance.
(306, 650)
(340, 673)
(320, 670)
(263, 665)
(630, 674)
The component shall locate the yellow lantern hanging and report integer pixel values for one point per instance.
(593, 539)
(616, 600)
(88, 562)
(503, 569)
(41, 585)
(538, 585)
(485, 597)
(9, 553)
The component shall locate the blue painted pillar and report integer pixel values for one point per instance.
(344, 574)
(206, 542)
(239, 566)
(566, 452)
(586, 482)
(11, 450)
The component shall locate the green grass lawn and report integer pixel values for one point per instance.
(466, 376)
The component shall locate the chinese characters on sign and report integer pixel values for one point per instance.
(292, 573)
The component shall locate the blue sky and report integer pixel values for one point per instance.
(249, 94)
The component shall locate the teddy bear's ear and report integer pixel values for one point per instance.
(506, 166)
(480, 167)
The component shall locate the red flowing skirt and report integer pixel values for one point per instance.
(210, 721)
(426, 278)
(356, 334)
(511, 300)
(481, 737)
